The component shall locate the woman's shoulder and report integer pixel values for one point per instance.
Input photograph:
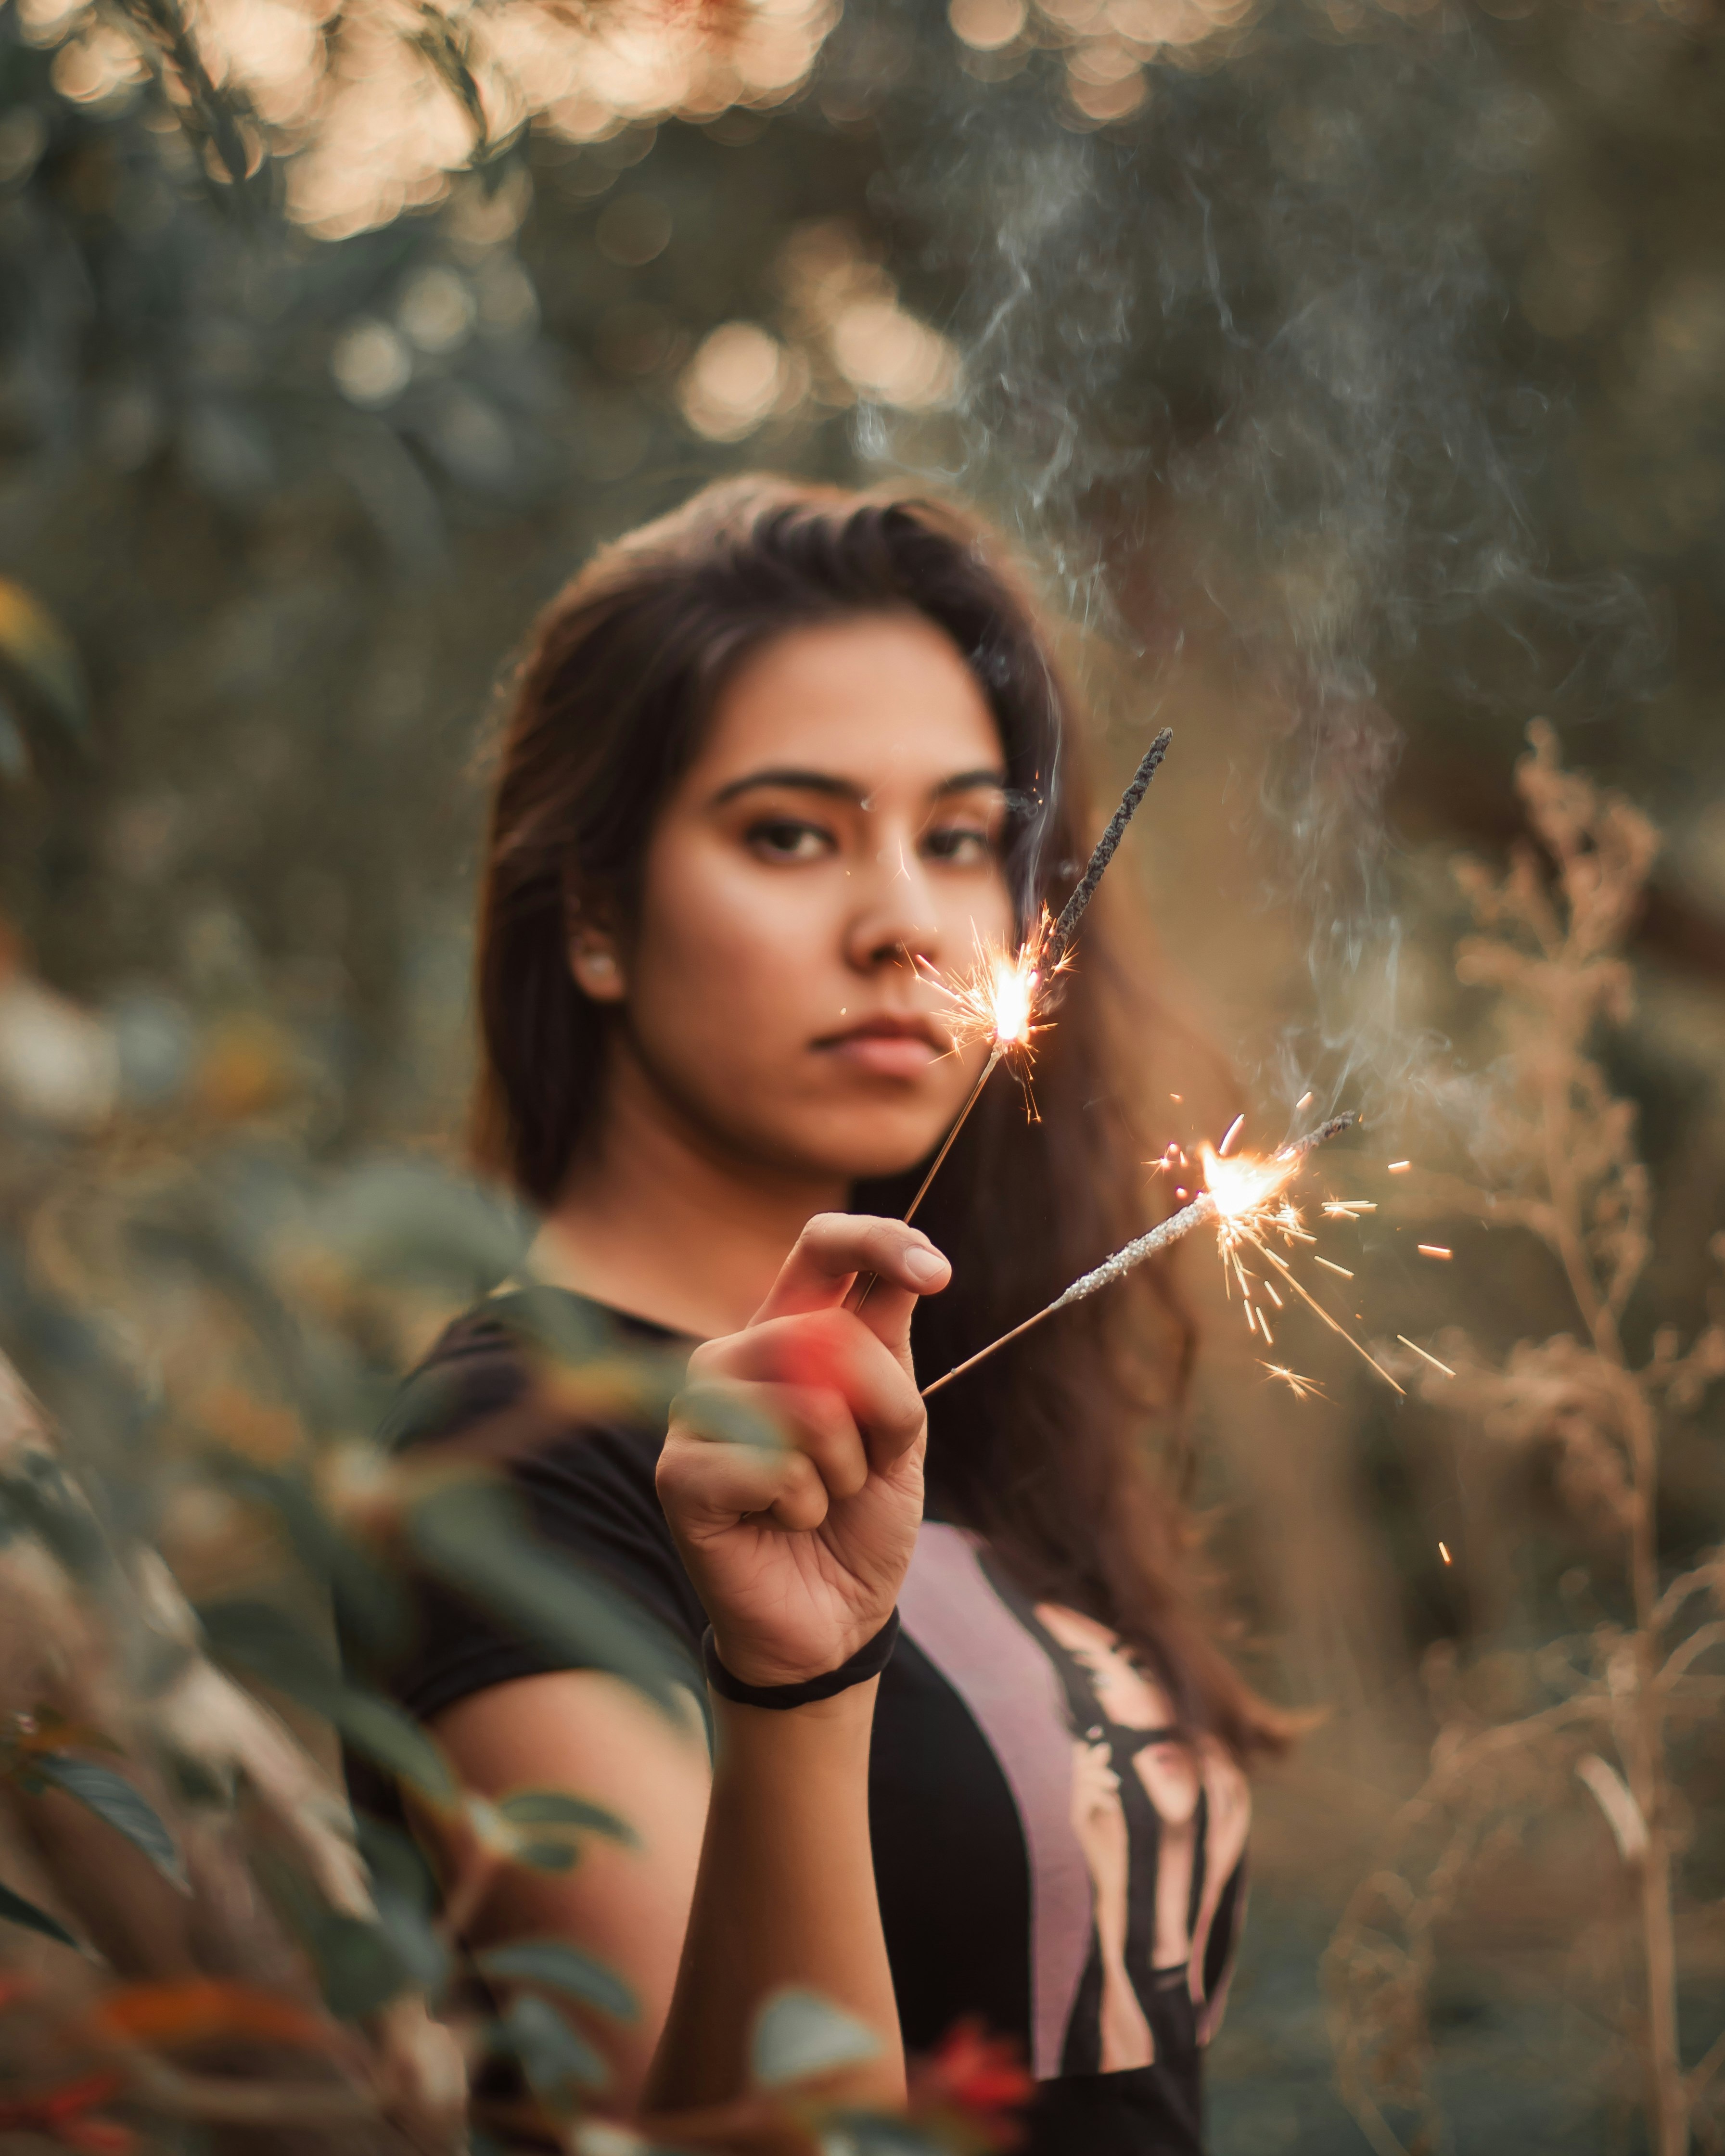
(528, 1365)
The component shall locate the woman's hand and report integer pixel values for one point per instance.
(798, 1550)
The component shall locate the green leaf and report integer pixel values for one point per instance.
(715, 1413)
(265, 1641)
(14, 1909)
(408, 1221)
(545, 1856)
(475, 1535)
(560, 1967)
(556, 1808)
(112, 1798)
(404, 1889)
(372, 1603)
(359, 1965)
(40, 1501)
(558, 2064)
(799, 2035)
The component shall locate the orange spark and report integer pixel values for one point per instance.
(1399, 1167)
(1433, 1250)
(1250, 1209)
(1424, 1357)
(1231, 1133)
(1302, 1388)
(1444, 1552)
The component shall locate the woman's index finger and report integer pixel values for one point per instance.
(835, 1247)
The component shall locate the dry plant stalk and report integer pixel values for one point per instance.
(1549, 943)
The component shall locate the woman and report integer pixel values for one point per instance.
(772, 767)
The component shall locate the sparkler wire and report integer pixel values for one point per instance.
(1178, 1225)
(974, 1095)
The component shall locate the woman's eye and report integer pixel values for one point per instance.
(786, 839)
(959, 846)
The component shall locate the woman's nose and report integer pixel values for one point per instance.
(897, 920)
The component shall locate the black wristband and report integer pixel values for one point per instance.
(868, 1661)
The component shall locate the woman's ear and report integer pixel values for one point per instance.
(594, 960)
(595, 964)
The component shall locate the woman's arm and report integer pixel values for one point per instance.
(785, 1895)
(764, 1876)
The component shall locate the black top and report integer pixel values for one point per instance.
(1050, 1857)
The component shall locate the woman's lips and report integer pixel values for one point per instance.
(888, 1048)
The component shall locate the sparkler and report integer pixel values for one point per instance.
(1000, 1000)
(999, 1003)
(1243, 1196)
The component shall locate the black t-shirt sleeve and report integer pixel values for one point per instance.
(583, 1489)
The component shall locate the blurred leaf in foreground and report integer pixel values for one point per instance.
(555, 1965)
(114, 1799)
(799, 2036)
(265, 1641)
(14, 1909)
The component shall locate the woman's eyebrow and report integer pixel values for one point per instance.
(788, 778)
(967, 782)
(796, 782)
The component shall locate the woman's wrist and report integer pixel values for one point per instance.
(743, 1688)
(809, 1732)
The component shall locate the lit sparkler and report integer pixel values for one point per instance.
(999, 1001)
(1246, 1197)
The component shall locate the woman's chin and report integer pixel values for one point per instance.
(874, 1155)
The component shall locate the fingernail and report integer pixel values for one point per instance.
(926, 1267)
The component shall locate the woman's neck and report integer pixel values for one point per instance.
(661, 1222)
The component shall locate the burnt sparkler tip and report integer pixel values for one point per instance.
(1073, 910)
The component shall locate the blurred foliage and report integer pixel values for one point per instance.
(227, 1954)
(1580, 1413)
(1356, 373)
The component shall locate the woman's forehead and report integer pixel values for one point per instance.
(880, 700)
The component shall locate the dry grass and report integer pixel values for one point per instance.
(1608, 1701)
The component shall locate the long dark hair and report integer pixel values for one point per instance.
(1042, 1450)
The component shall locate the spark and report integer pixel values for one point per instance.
(1399, 1167)
(1177, 1097)
(1252, 1211)
(1433, 1250)
(1424, 1357)
(1304, 1101)
(1248, 1190)
(1346, 1208)
(999, 999)
(1330, 1265)
(1229, 1135)
(1444, 1552)
(1302, 1388)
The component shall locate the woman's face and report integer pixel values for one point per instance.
(842, 820)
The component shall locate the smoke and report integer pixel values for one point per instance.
(1242, 365)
